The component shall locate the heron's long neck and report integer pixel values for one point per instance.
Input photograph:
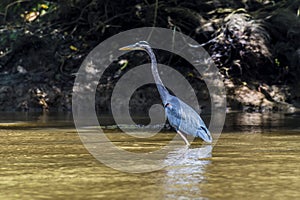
(160, 86)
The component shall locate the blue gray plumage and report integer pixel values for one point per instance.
(181, 116)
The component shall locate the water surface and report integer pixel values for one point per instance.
(256, 158)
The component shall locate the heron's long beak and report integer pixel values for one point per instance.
(130, 47)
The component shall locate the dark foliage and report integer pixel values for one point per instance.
(42, 43)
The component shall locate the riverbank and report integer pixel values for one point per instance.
(254, 44)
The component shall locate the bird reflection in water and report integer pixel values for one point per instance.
(184, 175)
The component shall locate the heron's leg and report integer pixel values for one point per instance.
(184, 138)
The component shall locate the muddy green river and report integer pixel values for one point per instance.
(256, 157)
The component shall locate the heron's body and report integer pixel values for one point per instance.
(185, 119)
(181, 116)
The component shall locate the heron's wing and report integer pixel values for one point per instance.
(185, 119)
(191, 122)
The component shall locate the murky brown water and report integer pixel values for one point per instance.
(41, 161)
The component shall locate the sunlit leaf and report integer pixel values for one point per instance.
(124, 63)
(44, 6)
(31, 16)
(73, 48)
(43, 12)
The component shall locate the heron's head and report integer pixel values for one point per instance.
(141, 45)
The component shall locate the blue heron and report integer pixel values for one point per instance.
(183, 118)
